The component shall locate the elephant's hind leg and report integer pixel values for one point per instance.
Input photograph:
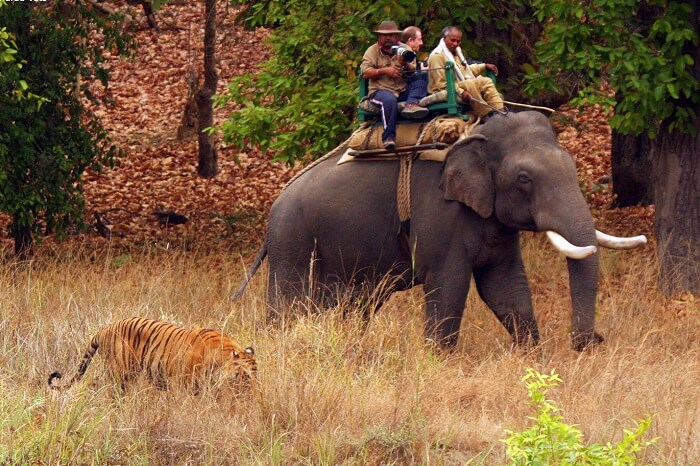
(505, 290)
(286, 290)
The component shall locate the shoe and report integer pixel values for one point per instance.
(414, 110)
(401, 106)
(389, 144)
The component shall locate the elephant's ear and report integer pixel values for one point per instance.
(467, 179)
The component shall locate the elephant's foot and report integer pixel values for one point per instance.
(586, 340)
(526, 339)
(523, 329)
(441, 347)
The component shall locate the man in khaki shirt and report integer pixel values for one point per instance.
(387, 82)
(468, 78)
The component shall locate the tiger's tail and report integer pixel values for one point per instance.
(87, 357)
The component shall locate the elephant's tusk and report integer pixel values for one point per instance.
(615, 242)
(568, 249)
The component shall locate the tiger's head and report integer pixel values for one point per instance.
(231, 365)
(245, 366)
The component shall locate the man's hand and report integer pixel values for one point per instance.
(376, 73)
(492, 67)
(466, 96)
(392, 72)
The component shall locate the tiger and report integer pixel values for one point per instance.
(166, 353)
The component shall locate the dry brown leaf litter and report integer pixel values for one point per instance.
(149, 92)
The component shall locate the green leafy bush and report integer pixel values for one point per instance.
(550, 441)
(48, 136)
(642, 50)
(301, 102)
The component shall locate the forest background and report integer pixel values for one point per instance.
(153, 267)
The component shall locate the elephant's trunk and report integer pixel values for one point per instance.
(583, 286)
(583, 283)
(576, 237)
(582, 263)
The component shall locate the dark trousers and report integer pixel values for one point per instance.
(417, 86)
(416, 89)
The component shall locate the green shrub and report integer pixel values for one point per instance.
(49, 135)
(550, 441)
(301, 102)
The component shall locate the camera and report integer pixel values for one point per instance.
(404, 52)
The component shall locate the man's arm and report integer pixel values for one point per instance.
(436, 73)
(480, 68)
(376, 73)
(477, 68)
(372, 69)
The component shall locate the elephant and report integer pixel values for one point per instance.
(336, 227)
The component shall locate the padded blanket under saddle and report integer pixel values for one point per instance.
(446, 130)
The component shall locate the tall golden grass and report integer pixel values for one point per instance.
(332, 389)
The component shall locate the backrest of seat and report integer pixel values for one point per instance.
(363, 84)
(452, 106)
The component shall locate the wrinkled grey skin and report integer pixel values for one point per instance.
(466, 217)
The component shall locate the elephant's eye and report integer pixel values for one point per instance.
(524, 179)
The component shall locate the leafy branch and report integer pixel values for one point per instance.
(551, 441)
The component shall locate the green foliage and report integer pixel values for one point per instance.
(551, 441)
(8, 62)
(8, 47)
(645, 51)
(44, 149)
(302, 101)
(158, 4)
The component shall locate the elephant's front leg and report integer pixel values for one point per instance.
(504, 288)
(445, 295)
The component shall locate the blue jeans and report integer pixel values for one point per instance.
(416, 89)
(417, 86)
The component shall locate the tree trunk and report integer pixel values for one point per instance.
(188, 123)
(207, 151)
(150, 15)
(677, 221)
(24, 240)
(147, 10)
(677, 194)
(632, 166)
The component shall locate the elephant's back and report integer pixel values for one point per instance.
(338, 184)
(345, 214)
(338, 201)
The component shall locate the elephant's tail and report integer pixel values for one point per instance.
(249, 274)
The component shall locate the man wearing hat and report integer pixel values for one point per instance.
(387, 82)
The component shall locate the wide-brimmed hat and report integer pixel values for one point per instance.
(388, 27)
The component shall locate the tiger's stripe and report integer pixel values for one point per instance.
(164, 352)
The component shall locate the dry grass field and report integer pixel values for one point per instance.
(332, 390)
